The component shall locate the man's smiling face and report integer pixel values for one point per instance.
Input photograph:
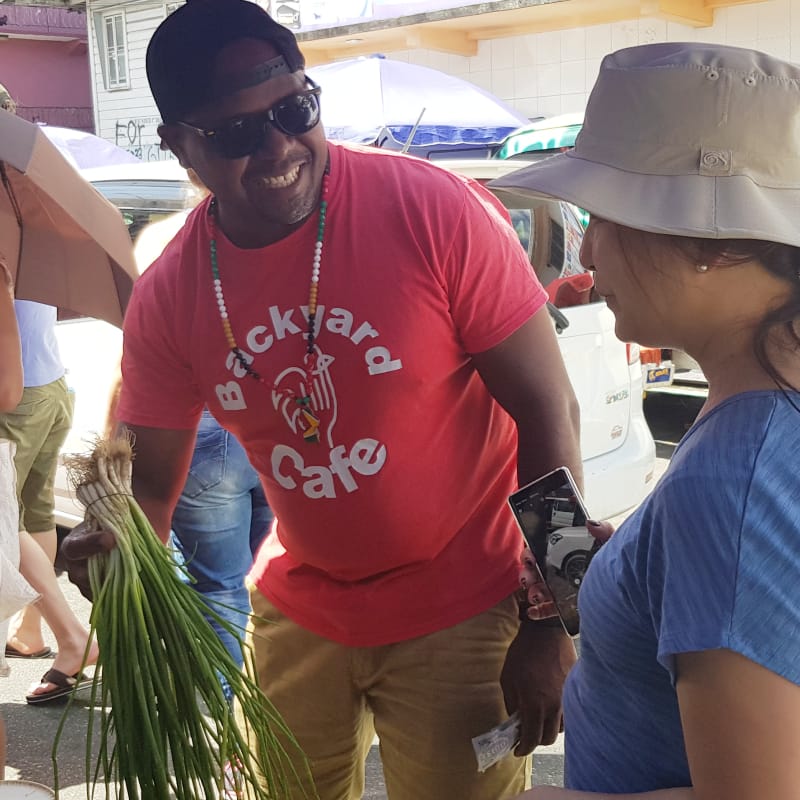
(263, 196)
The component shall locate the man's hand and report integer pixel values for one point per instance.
(532, 679)
(82, 543)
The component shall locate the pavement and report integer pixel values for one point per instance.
(32, 730)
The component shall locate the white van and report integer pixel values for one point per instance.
(617, 447)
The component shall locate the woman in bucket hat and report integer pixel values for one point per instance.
(689, 164)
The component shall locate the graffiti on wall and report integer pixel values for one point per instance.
(139, 136)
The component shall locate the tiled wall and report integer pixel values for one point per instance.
(551, 73)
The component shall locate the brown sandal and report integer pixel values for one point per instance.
(12, 652)
(65, 685)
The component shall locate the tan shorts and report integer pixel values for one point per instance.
(426, 698)
(38, 425)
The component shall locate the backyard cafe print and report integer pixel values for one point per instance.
(304, 394)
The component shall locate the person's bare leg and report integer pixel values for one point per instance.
(25, 634)
(70, 634)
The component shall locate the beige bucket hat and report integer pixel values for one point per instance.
(694, 139)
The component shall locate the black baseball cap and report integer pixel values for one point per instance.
(183, 50)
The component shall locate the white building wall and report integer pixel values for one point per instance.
(127, 116)
(540, 74)
(544, 74)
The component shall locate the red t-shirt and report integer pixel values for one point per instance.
(395, 524)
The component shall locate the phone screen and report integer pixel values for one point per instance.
(552, 517)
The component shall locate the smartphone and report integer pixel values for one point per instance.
(552, 517)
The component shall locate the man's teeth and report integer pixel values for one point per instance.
(280, 181)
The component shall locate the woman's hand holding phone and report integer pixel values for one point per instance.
(602, 531)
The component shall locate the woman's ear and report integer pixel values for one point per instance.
(711, 255)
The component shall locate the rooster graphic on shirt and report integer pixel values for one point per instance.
(306, 399)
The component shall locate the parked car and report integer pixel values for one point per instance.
(618, 449)
(541, 138)
(569, 543)
(569, 551)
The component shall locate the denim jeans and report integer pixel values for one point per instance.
(220, 520)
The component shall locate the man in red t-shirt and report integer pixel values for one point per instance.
(368, 327)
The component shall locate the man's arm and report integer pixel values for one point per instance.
(161, 459)
(526, 375)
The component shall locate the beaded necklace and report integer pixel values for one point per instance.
(310, 431)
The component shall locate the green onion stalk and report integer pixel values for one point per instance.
(166, 728)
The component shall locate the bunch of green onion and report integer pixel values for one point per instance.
(166, 728)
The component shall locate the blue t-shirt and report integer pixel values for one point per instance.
(710, 560)
(41, 361)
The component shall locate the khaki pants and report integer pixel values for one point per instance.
(39, 426)
(426, 698)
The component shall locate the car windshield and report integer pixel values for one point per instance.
(144, 201)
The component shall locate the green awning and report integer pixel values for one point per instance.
(553, 134)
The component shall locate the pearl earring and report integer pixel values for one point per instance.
(702, 267)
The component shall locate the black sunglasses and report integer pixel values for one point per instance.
(293, 115)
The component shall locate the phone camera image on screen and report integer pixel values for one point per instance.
(552, 517)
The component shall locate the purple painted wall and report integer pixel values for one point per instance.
(49, 80)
